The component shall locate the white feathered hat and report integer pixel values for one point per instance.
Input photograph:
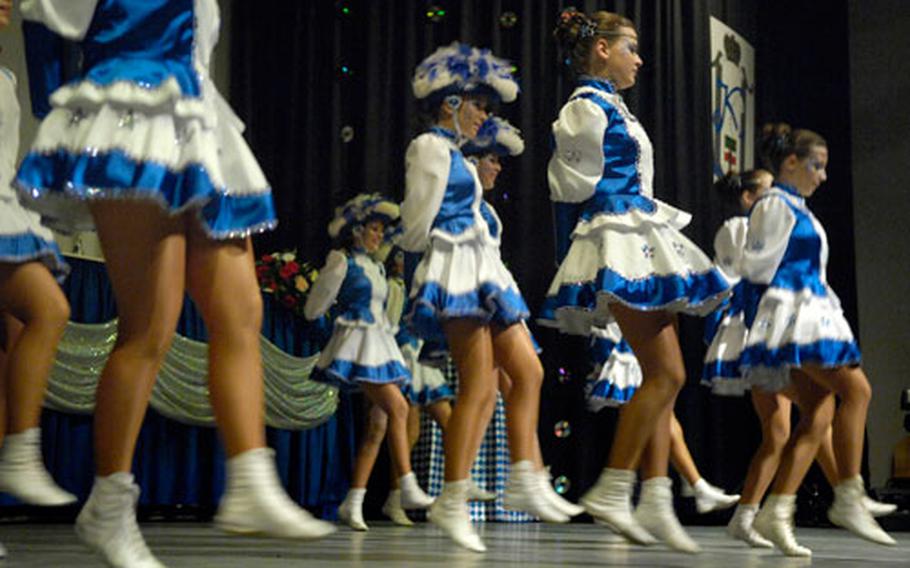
(497, 136)
(460, 68)
(360, 210)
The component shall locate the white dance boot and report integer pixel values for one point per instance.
(256, 503)
(610, 500)
(412, 496)
(850, 512)
(351, 510)
(475, 493)
(556, 500)
(107, 523)
(740, 527)
(393, 510)
(877, 508)
(523, 493)
(710, 498)
(656, 515)
(22, 471)
(450, 513)
(775, 522)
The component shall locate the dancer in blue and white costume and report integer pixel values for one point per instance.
(725, 329)
(798, 337)
(627, 261)
(496, 140)
(613, 381)
(461, 292)
(33, 317)
(362, 352)
(140, 146)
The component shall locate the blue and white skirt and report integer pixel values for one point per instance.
(634, 257)
(361, 354)
(791, 329)
(616, 375)
(462, 280)
(24, 239)
(124, 141)
(721, 370)
(428, 385)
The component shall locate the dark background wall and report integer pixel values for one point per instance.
(879, 122)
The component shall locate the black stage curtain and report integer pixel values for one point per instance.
(324, 88)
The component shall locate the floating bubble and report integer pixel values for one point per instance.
(508, 19)
(562, 484)
(562, 429)
(563, 375)
(347, 134)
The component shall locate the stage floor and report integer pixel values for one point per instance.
(528, 545)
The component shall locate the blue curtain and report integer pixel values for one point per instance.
(177, 464)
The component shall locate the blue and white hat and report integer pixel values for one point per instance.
(459, 69)
(360, 210)
(495, 136)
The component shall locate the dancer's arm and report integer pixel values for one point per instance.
(46, 26)
(427, 164)
(578, 160)
(325, 289)
(770, 225)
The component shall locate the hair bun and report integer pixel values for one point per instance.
(731, 185)
(573, 26)
(776, 143)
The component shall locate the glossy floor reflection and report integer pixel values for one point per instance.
(529, 545)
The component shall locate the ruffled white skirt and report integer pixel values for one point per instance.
(126, 141)
(795, 328)
(637, 258)
(361, 353)
(616, 375)
(464, 279)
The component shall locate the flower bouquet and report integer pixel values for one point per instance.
(281, 274)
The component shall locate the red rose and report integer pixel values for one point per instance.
(289, 301)
(262, 272)
(267, 258)
(289, 270)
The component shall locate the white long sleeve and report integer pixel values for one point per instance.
(394, 304)
(69, 18)
(578, 160)
(770, 224)
(324, 291)
(427, 164)
(729, 243)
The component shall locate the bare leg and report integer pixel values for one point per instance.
(222, 281)
(515, 355)
(825, 458)
(773, 410)
(441, 412)
(775, 520)
(472, 349)
(679, 453)
(145, 254)
(654, 341)
(816, 406)
(852, 386)
(390, 400)
(377, 423)
(849, 509)
(471, 346)
(30, 295)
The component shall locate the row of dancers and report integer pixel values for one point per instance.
(141, 148)
(625, 271)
